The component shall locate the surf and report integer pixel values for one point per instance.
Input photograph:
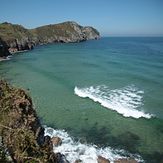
(87, 153)
(125, 101)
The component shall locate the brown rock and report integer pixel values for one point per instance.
(78, 161)
(124, 160)
(102, 160)
(56, 141)
(13, 50)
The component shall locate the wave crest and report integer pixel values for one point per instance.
(125, 101)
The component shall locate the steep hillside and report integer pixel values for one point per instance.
(64, 32)
(21, 134)
(18, 38)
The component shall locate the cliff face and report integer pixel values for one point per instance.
(63, 32)
(90, 33)
(3, 49)
(20, 129)
(18, 38)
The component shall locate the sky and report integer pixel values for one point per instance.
(109, 17)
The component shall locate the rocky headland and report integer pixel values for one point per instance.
(21, 133)
(15, 38)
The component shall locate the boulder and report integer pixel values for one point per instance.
(101, 159)
(56, 141)
(78, 161)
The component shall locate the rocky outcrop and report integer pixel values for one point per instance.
(3, 49)
(90, 33)
(18, 38)
(56, 141)
(101, 159)
(20, 129)
(78, 161)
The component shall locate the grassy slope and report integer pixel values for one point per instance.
(10, 32)
(20, 128)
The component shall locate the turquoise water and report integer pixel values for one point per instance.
(108, 92)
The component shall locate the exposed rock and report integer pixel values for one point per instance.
(78, 161)
(61, 158)
(13, 50)
(20, 129)
(56, 141)
(18, 38)
(101, 159)
(3, 49)
(123, 160)
(90, 33)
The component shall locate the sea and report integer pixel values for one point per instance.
(102, 97)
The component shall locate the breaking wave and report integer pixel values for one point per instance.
(74, 150)
(125, 101)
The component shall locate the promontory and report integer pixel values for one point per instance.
(14, 38)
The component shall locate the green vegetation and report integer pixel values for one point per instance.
(18, 38)
(10, 32)
(58, 30)
(20, 129)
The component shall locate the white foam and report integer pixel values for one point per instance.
(125, 101)
(87, 153)
(5, 59)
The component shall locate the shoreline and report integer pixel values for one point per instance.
(19, 51)
(10, 56)
(5, 58)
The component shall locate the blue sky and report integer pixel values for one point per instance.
(110, 17)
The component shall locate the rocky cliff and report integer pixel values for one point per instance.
(63, 32)
(21, 134)
(18, 38)
(3, 49)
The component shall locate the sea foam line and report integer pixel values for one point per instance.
(74, 150)
(125, 101)
(5, 59)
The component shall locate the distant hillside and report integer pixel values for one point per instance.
(64, 32)
(18, 38)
